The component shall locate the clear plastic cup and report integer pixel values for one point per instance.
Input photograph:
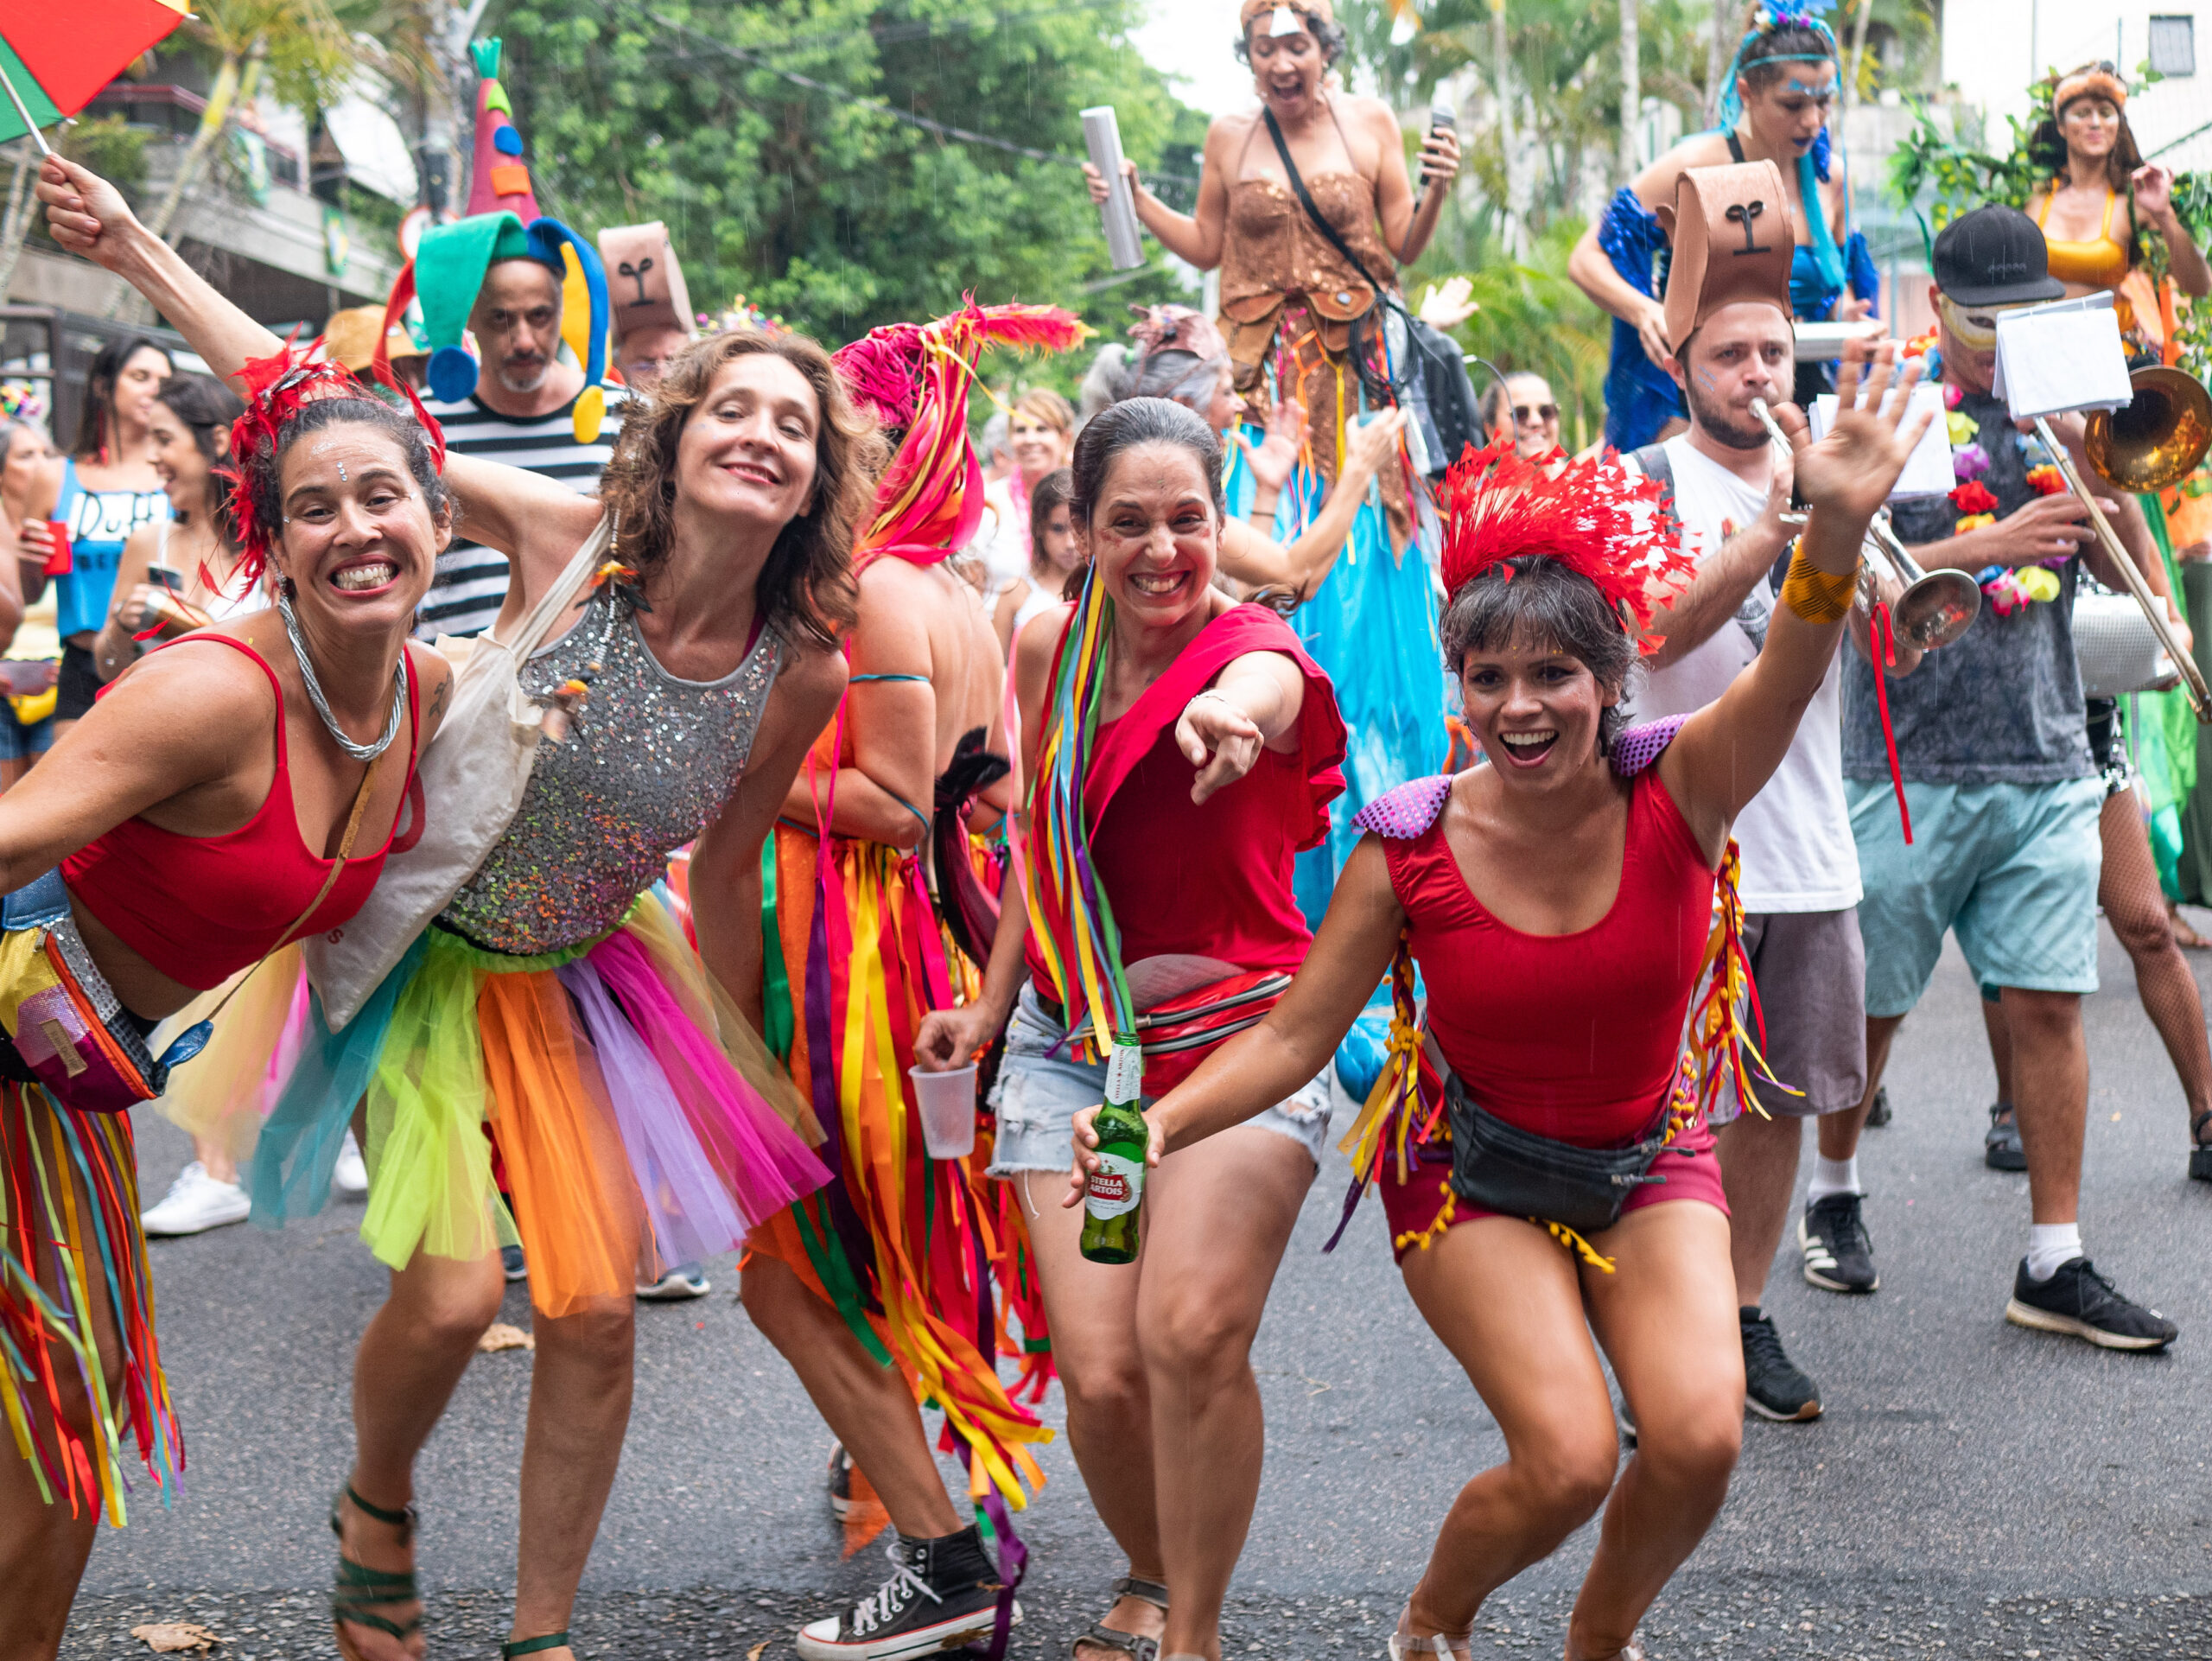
(948, 1104)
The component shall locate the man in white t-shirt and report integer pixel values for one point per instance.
(1800, 880)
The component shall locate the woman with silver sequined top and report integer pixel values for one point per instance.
(554, 1001)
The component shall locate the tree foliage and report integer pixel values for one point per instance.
(819, 208)
(1563, 82)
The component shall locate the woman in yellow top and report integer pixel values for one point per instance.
(2096, 169)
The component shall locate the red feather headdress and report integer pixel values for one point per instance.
(276, 386)
(916, 377)
(1595, 518)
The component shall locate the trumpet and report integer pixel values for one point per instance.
(2156, 439)
(1935, 607)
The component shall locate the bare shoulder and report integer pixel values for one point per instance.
(1370, 113)
(1032, 655)
(813, 674)
(1229, 129)
(1657, 183)
(432, 673)
(221, 689)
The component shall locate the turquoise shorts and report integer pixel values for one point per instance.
(2010, 869)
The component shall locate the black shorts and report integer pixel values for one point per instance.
(77, 684)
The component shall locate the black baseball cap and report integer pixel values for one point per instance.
(1994, 256)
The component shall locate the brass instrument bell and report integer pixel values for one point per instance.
(2156, 439)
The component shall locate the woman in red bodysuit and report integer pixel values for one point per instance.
(1559, 902)
(230, 792)
(1211, 765)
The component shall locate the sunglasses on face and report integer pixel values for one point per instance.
(1528, 415)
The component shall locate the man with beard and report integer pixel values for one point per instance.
(504, 277)
(1730, 310)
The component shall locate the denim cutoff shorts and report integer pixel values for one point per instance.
(1039, 1094)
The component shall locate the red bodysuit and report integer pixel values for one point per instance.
(200, 908)
(1574, 1036)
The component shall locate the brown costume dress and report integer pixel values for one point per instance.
(1282, 284)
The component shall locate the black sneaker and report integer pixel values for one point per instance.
(512, 1265)
(1774, 1386)
(1878, 1115)
(942, 1593)
(2082, 1303)
(840, 1481)
(2000, 1148)
(1839, 1257)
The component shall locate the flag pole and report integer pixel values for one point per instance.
(30, 125)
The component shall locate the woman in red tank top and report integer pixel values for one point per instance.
(1213, 760)
(1559, 902)
(229, 791)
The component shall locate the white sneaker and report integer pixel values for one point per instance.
(352, 1176)
(195, 1203)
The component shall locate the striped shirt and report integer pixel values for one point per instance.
(471, 584)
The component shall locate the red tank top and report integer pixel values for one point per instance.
(202, 908)
(1574, 1036)
(1212, 881)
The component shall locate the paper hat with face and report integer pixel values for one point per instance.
(647, 283)
(1733, 240)
(448, 269)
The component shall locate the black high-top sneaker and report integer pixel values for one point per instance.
(942, 1593)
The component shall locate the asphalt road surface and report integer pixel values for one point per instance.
(1973, 1490)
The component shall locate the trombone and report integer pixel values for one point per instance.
(2154, 440)
(1936, 607)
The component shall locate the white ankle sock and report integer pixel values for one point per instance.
(2050, 1247)
(1832, 1176)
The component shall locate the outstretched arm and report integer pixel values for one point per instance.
(1254, 1069)
(1726, 752)
(1195, 239)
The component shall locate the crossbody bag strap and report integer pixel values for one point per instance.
(329, 882)
(538, 622)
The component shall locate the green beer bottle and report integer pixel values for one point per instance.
(1115, 1199)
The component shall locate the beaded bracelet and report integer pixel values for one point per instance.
(1816, 596)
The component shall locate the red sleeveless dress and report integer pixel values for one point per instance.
(1577, 1036)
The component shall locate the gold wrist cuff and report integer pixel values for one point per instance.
(1816, 596)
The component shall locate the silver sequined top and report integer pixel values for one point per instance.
(647, 764)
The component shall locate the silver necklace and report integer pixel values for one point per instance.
(359, 752)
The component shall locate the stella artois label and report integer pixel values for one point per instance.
(1115, 1187)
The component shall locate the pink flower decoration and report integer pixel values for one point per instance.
(1969, 461)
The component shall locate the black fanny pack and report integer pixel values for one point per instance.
(1516, 1172)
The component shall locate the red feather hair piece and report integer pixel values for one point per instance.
(276, 386)
(916, 377)
(1596, 517)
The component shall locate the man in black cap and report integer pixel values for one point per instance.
(2004, 798)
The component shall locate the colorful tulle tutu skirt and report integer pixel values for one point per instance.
(73, 1261)
(634, 1120)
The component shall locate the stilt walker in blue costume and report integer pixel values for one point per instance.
(1302, 320)
(1781, 89)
